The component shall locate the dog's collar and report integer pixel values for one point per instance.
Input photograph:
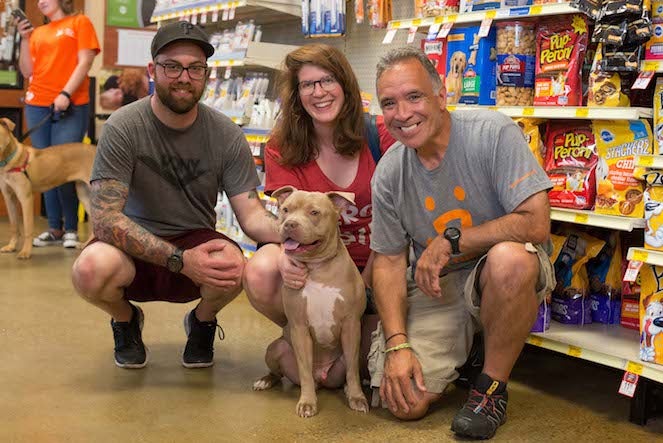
(8, 159)
(24, 166)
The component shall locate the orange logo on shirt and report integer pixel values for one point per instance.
(441, 222)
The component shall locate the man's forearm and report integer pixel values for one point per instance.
(262, 227)
(390, 291)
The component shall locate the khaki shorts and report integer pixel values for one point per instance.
(441, 330)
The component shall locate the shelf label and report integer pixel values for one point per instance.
(484, 29)
(231, 14)
(411, 34)
(581, 218)
(574, 351)
(643, 80)
(395, 25)
(416, 22)
(203, 18)
(451, 108)
(224, 15)
(629, 384)
(535, 10)
(634, 368)
(640, 256)
(528, 112)
(632, 270)
(446, 28)
(490, 14)
(536, 341)
(650, 66)
(215, 16)
(433, 30)
(389, 36)
(582, 112)
(645, 160)
(450, 18)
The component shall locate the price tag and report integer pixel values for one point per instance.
(394, 25)
(491, 14)
(433, 30)
(416, 22)
(224, 15)
(214, 73)
(536, 341)
(640, 256)
(643, 80)
(215, 16)
(451, 108)
(411, 33)
(536, 10)
(231, 14)
(634, 368)
(450, 18)
(203, 18)
(194, 19)
(628, 384)
(645, 160)
(575, 351)
(528, 112)
(631, 273)
(226, 75)
(389, 36)
(446, 28)
(650, 66)
(582, 112)
(581, 218)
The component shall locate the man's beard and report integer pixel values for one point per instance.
(178, 106)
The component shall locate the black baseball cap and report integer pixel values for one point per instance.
(181, 31)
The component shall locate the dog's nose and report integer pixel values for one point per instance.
(291, 224)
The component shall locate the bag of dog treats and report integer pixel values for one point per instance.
(651, 314)
(543, 316)
(604, 88)
(617, 143)
(653, 201)
(560, 50)
(570, 163)
(605, 285)
(658, 116)
(530, 128)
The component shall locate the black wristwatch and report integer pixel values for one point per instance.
(175, 262)
(453, 235)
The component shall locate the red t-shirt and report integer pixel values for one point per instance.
(354, 222)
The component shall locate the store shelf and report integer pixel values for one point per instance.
(590, 218)
(565, 112)
(495, 14)
(289, 7)
(258, 54)
(652, 65)
(646, 256)
(649, 161)
(609, 345)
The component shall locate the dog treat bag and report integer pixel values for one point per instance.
(530, 128)
(617, 143)
(651, 314)
(605, 283)
(560, 50)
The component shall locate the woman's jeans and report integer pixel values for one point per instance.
(61, 202)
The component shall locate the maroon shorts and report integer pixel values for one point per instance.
(156, 283)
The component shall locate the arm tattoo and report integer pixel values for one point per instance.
(111, 226)
(253, 194)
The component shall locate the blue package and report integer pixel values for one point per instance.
(543, 317)
(605, 309)
(471, 67)
(572, 311)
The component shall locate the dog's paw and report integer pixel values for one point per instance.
(358, 403)
(306, 409)
(266, 382)
(24, 255)
(8, 248)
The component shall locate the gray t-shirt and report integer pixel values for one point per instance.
(487, 171)
(174, 175)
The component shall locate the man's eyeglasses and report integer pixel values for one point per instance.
(307, 87)
(174, 70)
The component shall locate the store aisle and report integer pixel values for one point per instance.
(59, 383)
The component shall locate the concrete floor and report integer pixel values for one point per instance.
(59, 383)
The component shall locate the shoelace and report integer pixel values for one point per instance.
(221, 333)
(481, 402)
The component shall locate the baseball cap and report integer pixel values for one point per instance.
(181, 31)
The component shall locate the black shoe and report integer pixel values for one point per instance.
(473, 366)
(483, 412)
(199, 350)
(130, 352)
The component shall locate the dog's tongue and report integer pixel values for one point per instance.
(290, 244)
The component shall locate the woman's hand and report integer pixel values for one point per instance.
(24, 28)
(293, 273)
(61, 103)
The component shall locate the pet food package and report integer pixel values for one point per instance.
(617, 143)
(470, 67)
(570, 163)
(651, 314)
(658, 116)
(543, 316)
(605, 285)
(560, 50)
(479, 5)
(653, 202)
(530, 128)
(436, 51)
(516, 54)
(654, 47)
(604, 87)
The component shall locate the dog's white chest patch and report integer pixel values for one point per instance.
(320, 302)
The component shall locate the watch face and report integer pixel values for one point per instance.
(452, 233)
(175, 264)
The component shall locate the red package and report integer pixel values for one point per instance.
(436, 51)
(560, 50)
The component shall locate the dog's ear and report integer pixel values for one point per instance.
(341, 200)
(8, 123)
(647, 300)
(282, 193)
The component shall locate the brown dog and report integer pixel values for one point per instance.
(454, 80)
(25, 170)
(324, 317)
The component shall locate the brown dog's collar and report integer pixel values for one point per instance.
(24, 166)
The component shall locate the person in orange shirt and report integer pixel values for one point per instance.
(56, 58)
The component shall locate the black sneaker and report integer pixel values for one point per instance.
(130, 352)
(473, 366)
(199, 350)
(483, 412)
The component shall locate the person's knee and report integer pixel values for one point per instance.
(94, 270)
(416, 412)
(510, 265)
(260, 279)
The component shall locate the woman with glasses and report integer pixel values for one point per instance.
(318, 144)
(57, 57)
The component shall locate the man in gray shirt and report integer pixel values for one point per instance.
(159, 165)
(466, 193)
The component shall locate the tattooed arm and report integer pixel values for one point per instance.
(111, 226)
(257, 222)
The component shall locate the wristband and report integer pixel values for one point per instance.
(395, 335)
(405, 345)
(66, 94)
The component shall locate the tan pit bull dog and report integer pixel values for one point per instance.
(25, 170)
(324, 317)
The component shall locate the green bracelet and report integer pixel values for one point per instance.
(405, 345)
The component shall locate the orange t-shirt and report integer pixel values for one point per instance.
(54, 51)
